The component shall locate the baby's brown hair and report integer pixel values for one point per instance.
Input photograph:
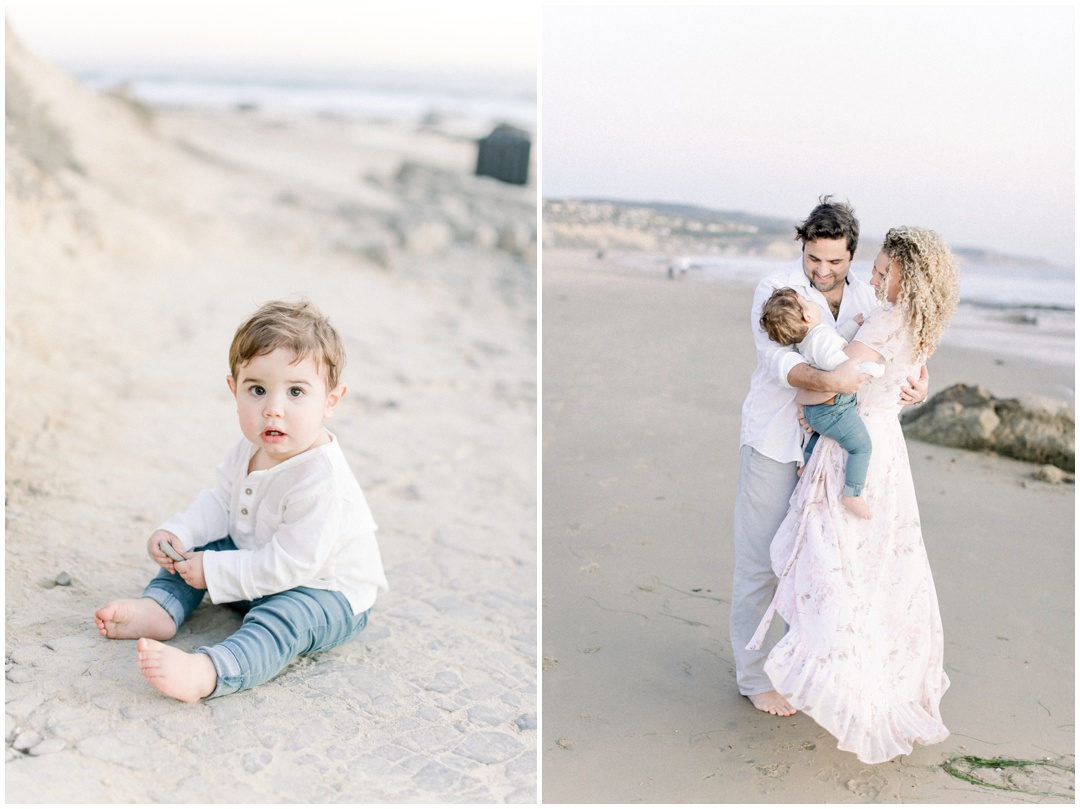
(300, 327)
(782, 317)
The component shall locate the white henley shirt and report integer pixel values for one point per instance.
(302, 523)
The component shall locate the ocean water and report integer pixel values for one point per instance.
(1025, 311)
(475, 102)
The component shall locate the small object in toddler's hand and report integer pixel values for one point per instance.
(169, 550)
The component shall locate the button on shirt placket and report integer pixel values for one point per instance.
(245, 518)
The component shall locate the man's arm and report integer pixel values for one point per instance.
(843, 379)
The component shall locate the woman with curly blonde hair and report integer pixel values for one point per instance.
(929, 283)
(863, 654)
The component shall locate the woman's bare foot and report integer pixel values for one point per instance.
(771, 702)
(857, 506)
(185, 676)
(131, 618)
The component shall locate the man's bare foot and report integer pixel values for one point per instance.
(771, 702)
(131, 618)
(857, 506)
(185, 676)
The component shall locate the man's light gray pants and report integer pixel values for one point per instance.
(761, 503)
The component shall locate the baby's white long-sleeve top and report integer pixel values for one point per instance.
(823, 347)
(302, 523)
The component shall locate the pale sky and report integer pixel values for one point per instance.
(231, 32)
(957, 118)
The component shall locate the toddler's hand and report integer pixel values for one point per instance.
(859, 318)
(802, 421)
(191, 570)
(158, 555)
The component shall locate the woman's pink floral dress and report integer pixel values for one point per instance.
(863, 652)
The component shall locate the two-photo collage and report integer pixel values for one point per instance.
(539, 403)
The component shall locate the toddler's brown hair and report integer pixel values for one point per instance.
(782, 317)
(300, 327)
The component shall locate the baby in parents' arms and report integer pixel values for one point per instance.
(793, 320)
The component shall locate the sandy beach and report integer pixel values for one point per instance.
(643, 383)
(137, 241)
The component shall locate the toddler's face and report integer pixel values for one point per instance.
(811, 312)
(282, 403)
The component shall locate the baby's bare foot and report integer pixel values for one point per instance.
(857, 506)
(185, 676)
(772, 702)
(135, 618)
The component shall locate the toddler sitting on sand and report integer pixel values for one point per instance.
(790, 319)
(286, 533)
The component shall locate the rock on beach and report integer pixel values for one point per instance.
(1030, 428)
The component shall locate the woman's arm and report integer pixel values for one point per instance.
(861, 352)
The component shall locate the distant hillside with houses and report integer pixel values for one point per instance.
(672, 228)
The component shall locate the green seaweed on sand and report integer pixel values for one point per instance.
(955, 767)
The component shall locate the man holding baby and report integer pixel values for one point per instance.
(771, 436)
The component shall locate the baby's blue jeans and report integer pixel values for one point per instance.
(841, 422)
(277, 628)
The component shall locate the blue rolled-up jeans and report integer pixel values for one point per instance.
(841, 422)
(276, 629)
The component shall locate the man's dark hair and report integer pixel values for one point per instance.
(830, 220)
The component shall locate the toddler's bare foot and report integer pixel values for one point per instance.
(857, 506)
(185, 676)
(800, 470)
(134, 618)
(772, 702)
